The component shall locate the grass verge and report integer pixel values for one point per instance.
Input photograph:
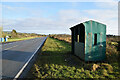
(19, 39)
(55, 61)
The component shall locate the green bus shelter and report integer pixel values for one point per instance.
(89, 41)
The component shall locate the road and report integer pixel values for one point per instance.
(15, 55)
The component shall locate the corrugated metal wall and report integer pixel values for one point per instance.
(95, 52)
(87, 50)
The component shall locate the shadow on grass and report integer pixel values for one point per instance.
(60, 58)
(118, 49)
(48, 60)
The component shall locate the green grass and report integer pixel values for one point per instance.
(55, 61)
(19, 39)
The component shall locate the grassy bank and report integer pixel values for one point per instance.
(55, 61)
(18, 39)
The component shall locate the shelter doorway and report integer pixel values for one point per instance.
(80, 41)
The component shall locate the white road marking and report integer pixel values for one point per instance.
(11, 47)
(6, 43)
(21, 70)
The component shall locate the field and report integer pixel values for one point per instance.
(17, 36)
(55, 61)
(63, 37)
(19, 39)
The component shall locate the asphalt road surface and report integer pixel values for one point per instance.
(16, 54)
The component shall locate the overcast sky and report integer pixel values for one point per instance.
(57, 17)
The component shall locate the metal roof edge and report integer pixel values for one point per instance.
(86, 22)
(95, 21)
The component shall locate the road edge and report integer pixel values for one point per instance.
(23, 71)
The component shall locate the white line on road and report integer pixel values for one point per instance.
(21, 70)
(6, 43)
(11, 47)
